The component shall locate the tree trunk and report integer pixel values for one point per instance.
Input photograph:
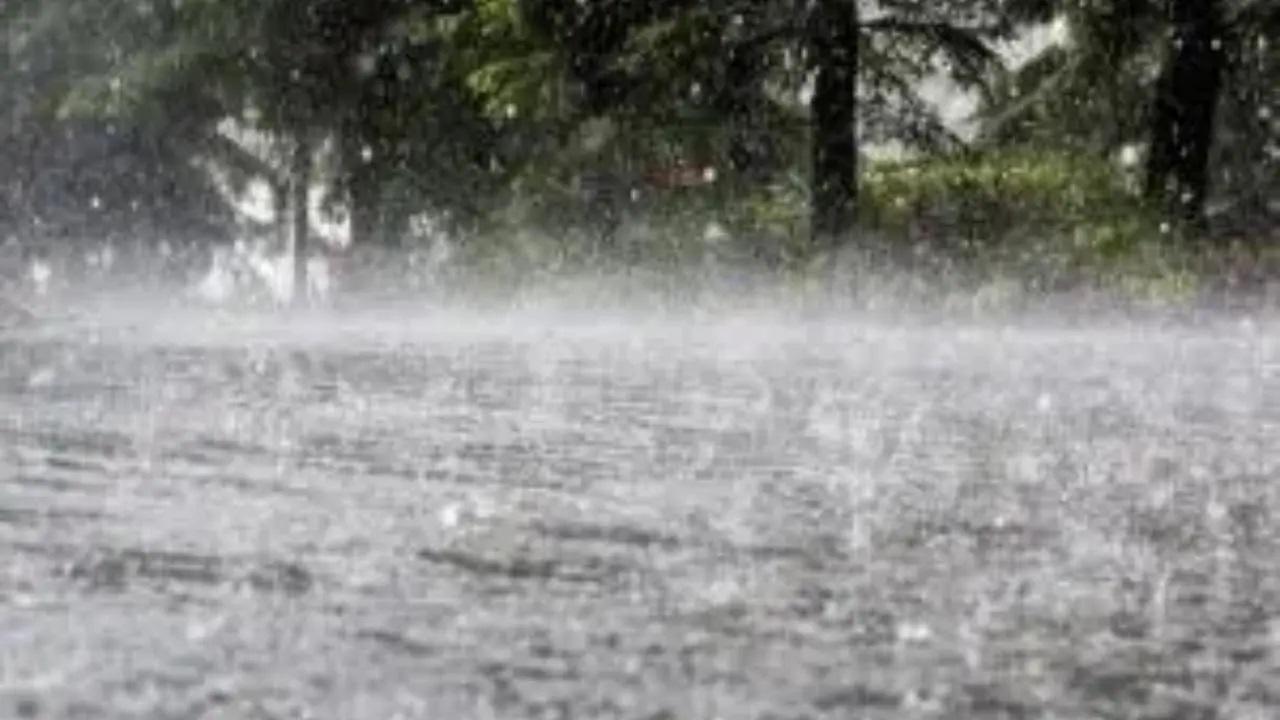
(360, 178)
(300, 178)
(363, 196)
(834, 48)
(743, 102)
(280, 208)
(1182, 116)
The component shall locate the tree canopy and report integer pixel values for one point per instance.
(569, 111)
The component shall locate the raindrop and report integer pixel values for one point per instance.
(914, 632)
(41, 274)
(450, 515)
(1129, 156)
(42, 377)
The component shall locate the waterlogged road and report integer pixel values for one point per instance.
(345, 516)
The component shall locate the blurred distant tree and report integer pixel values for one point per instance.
(1219, 53)
(1151, 74)
(470, 109)
(70, 175)
(1082, 90)
(1185, 104)
(1245, 163)
(730, 83)
(833, 43)
(363, 87)
(867, 73)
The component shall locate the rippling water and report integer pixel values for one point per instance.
(440, 515)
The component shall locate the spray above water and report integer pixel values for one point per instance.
(402, 508)
(244, 272)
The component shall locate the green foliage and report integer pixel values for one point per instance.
(494, 116)
(1054, 218)
(976, 194)
(506, 64)
(1091, 90)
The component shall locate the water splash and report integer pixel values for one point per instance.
(250, 273)
(396, 506)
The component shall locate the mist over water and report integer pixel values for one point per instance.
(565, 507)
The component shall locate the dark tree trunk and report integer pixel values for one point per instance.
(280, 206)
(300, 178)
(742, 100)
(834, 48)
(1182, 116)
(363, 196)
(361, 184)
(166, 15)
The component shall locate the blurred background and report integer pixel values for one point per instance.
(1056, 141)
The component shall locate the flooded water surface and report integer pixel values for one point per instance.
(402, 516)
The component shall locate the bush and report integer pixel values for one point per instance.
(1051, 219)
